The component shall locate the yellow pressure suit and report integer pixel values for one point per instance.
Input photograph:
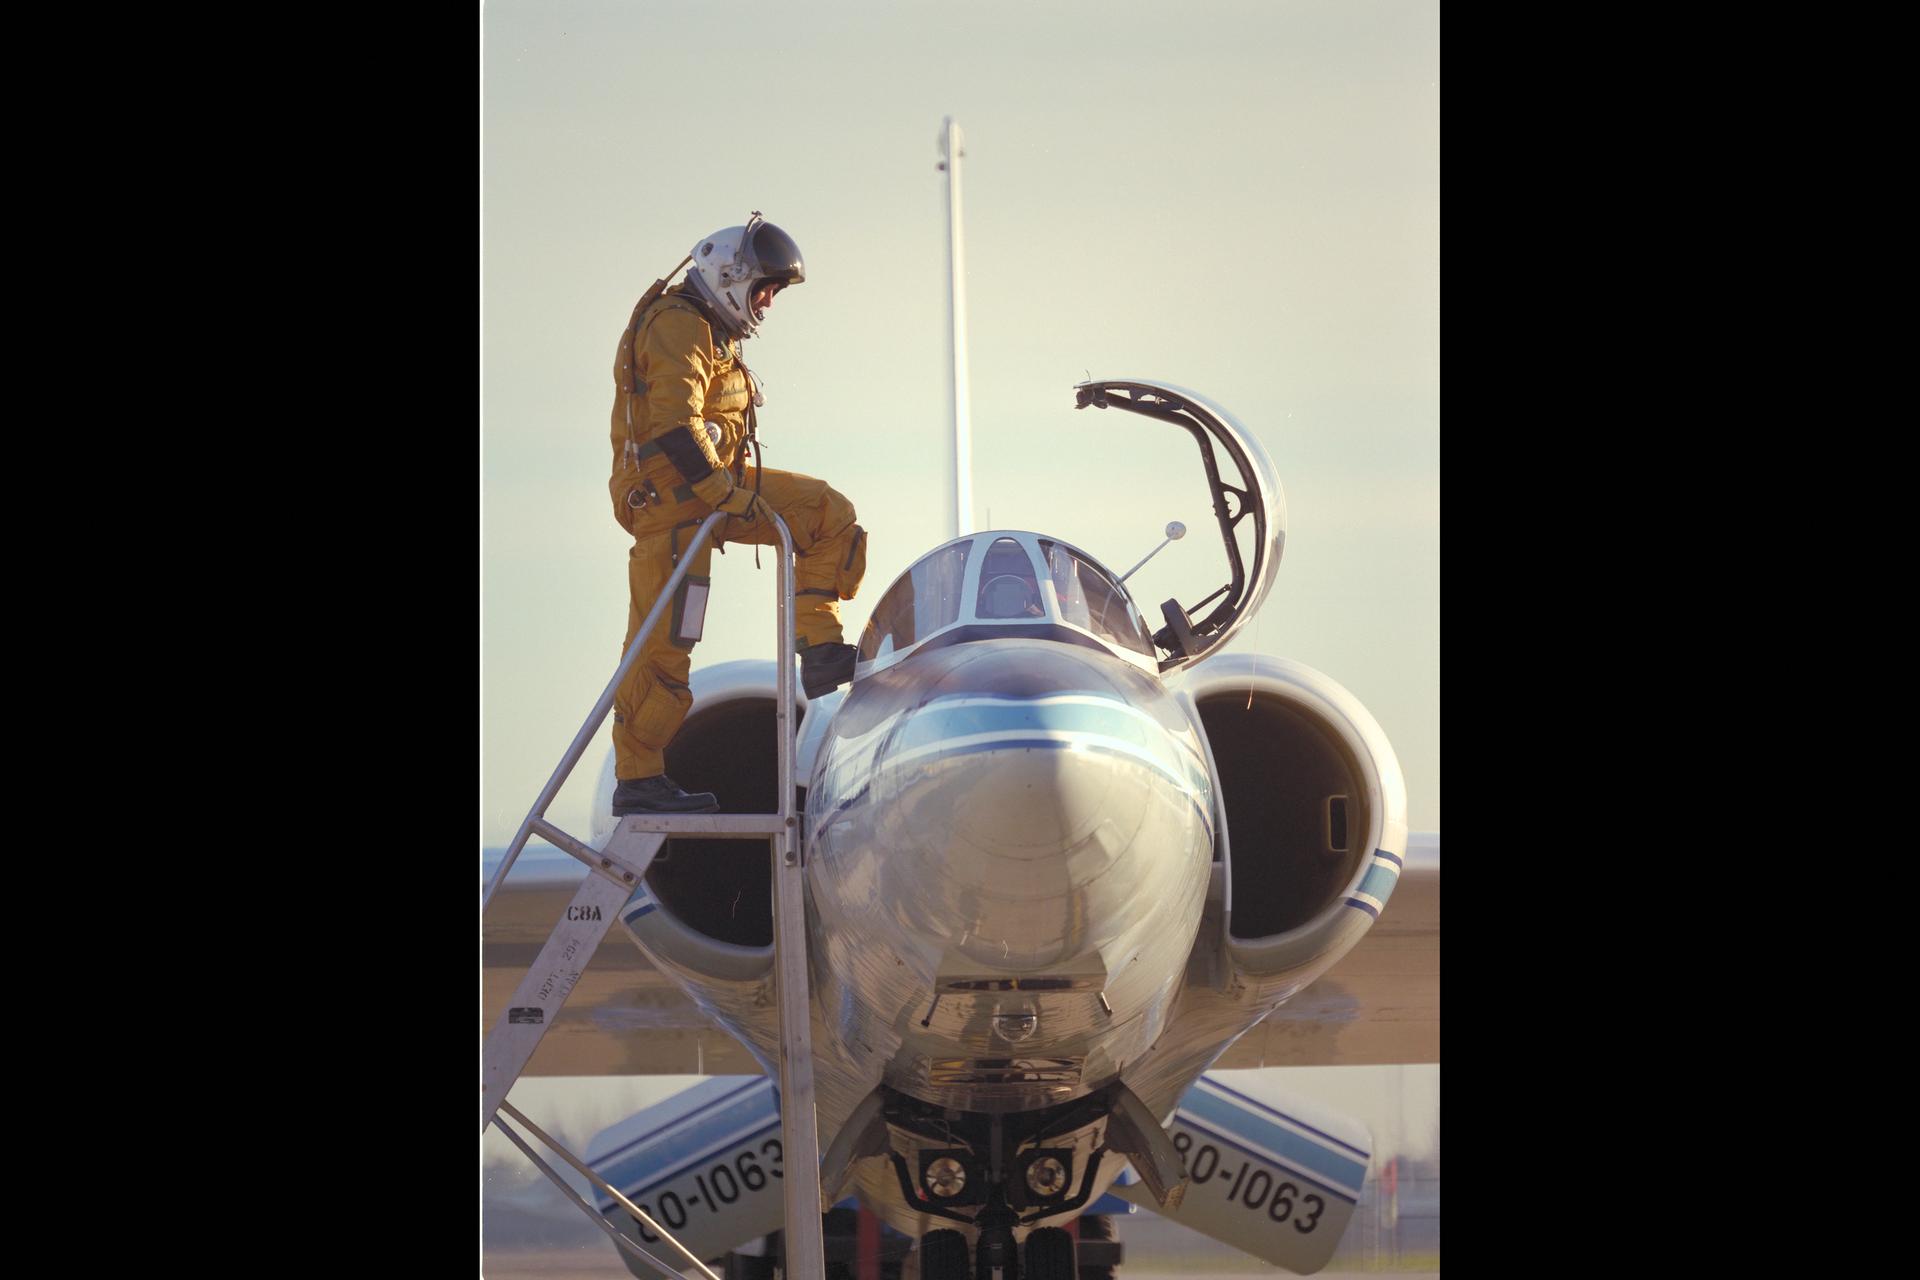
(676, 377)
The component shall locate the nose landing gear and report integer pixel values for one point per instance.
(1049, 1255)
(996, 1257)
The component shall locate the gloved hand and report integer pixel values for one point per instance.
(722, 494)
(746, 505)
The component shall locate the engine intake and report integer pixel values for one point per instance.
(723, 888)
(1310, 789)
(714, 898)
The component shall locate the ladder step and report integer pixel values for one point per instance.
(706, 824)
(538, 999)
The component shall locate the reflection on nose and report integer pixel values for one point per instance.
(1039, 826)
(1026, 797)
(1026, 803)
(1030, 798)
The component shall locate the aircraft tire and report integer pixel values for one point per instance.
(1096, 1226)
(1049, 1255)
(742, 1266)
(943, 1256)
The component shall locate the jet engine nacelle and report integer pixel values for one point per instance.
(1315, 810)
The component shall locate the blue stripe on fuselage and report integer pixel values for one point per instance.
(1195, 791)
(970, 715)
(1185, 785)
(1076, 720)
(964, 715)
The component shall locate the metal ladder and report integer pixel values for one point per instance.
(614, 871)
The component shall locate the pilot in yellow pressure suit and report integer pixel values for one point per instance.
(682, 412)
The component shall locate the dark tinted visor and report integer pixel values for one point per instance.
(776, 256)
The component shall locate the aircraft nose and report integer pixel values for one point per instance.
(1034, 781)
(1036, 796)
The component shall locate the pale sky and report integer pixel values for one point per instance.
(1239, 198)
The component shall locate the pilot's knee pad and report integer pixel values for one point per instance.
(851, 567)
(848, 541)
(660, 713)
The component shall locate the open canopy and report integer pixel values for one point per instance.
(1251, 506)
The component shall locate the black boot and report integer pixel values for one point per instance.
(825, 667)
(660, 794)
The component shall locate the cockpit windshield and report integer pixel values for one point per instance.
(1005, 583)
(923, 601)
(1008, 588)
(1089, 598)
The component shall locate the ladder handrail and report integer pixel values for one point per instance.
(799, 1130)
(598, 716)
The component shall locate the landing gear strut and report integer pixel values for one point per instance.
(1049, 1255)
(997, 1257)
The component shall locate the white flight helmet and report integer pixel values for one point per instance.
(729, 264)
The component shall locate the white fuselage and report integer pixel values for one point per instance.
(1008, 850)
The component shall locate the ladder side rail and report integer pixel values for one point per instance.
(548, 982)
(799, 1131)
(786, 708)
(598, 715)
(619, 1236)
(586, 1171)
(799, 1127)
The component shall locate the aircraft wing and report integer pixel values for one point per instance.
(1277, 1181)
(1380, 1004)
(1274, 1176)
